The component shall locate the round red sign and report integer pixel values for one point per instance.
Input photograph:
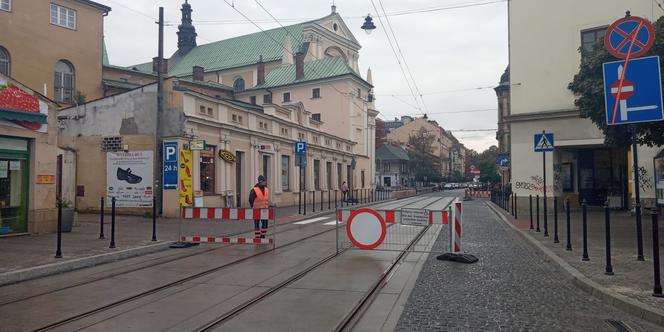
(626, 91)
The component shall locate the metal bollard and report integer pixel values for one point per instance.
(58, 249)
(313, 201)
(516, 208)
(639, 232)
(657, 289)
(299, 202)
(607, 233)
(569, 241)
(101, 219)
(304, 206)
(329, 198)
(336, 205)
(545, 215)
(112, 245)
(322, 207)
(584, 209)
(154, 218)
(530, 203)
(555, 220)
(537, 214)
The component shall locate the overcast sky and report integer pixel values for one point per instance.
(447, 50)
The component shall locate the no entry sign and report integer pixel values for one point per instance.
(629, 37)
(366, 229)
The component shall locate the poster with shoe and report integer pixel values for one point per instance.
(129, 178)
(185, 178)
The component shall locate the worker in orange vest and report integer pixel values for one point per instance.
(258, 199)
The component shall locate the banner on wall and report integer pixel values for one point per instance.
(129, 177)
(185, 175)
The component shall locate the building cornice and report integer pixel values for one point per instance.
(543, 115)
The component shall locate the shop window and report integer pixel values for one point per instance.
(64, 82)
(63, 16)
(285, 173)
(13, 194)
(207, 171)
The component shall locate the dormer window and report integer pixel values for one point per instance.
(238, 85)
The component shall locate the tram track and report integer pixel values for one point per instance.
(348, 320)
(189, 278)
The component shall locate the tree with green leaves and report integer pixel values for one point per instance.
(588, 87)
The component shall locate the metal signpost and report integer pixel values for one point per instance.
(544, 143)
(301, 161)
(632, 89)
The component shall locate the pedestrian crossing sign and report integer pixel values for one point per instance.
(544, 142)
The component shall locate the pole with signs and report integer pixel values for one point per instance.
(544, 143)
(301, 161)
(632, 89)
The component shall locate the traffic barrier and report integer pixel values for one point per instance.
(455, 231)
(227, 216)
(389, 230)
(480, 193)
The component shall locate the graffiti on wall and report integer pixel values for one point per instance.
(644, 179)
(534, 184)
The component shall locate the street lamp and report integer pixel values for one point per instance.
(368, 25)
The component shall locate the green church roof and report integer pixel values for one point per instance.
(313, 70)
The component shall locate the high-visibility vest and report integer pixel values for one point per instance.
(261, 201)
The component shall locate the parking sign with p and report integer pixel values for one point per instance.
(170, 160)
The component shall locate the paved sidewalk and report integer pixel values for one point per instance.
(511, 288)
(632, 278)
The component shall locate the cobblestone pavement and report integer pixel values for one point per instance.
(510, 288)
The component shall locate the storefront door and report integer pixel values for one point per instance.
(14, 188)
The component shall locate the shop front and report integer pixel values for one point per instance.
(14, 185)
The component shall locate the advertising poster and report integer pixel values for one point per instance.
(186, 185)
(129, 177)
(659, 179)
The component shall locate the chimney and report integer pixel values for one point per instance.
(299, 65)
(198, 74)
(155, 65)
(260, 71)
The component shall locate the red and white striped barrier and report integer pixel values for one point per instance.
(455, 231)
(227, 213)
(225, 239)
(392, 216)
(479, 193)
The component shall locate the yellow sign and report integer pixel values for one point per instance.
(227, 156)
(197, 145)
(185, 169)
(45, 179)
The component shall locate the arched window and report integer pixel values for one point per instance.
(64, 81)
(4, 61)
(238, 85)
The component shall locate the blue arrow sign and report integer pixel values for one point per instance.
(640, 93)
(544, 142)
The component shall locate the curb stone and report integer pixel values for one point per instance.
(78, 263)
(602, 293)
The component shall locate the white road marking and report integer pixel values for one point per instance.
(309, 221)
(331, 223)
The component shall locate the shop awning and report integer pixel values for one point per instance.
(7, 114)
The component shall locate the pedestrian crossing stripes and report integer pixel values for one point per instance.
(309, 221)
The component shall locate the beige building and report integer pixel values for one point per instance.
(54, 47)
(250, 97)
(544, 58)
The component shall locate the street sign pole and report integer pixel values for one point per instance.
(637, 198)
(546, 227)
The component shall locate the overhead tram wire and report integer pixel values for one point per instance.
(405, 62)
(282, 46)
(397, 58)
(396, 13)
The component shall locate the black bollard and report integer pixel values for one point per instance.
(639, 232)
(537, 213)
(58, 249)
(112, 245)
(101, 219)
(329, 199)
(555, 220)
(299, 202)
(304, 206)
(322, 206)
(336, 205)
(516, 207)
(313, 201)
(154, 218)
(546, 217)
(569, 232)
(530, 203)
(607, 233)
(584, 212)
(657, 289)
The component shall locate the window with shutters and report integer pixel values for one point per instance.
(64, 82)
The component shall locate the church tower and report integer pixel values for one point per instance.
(186, 31)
